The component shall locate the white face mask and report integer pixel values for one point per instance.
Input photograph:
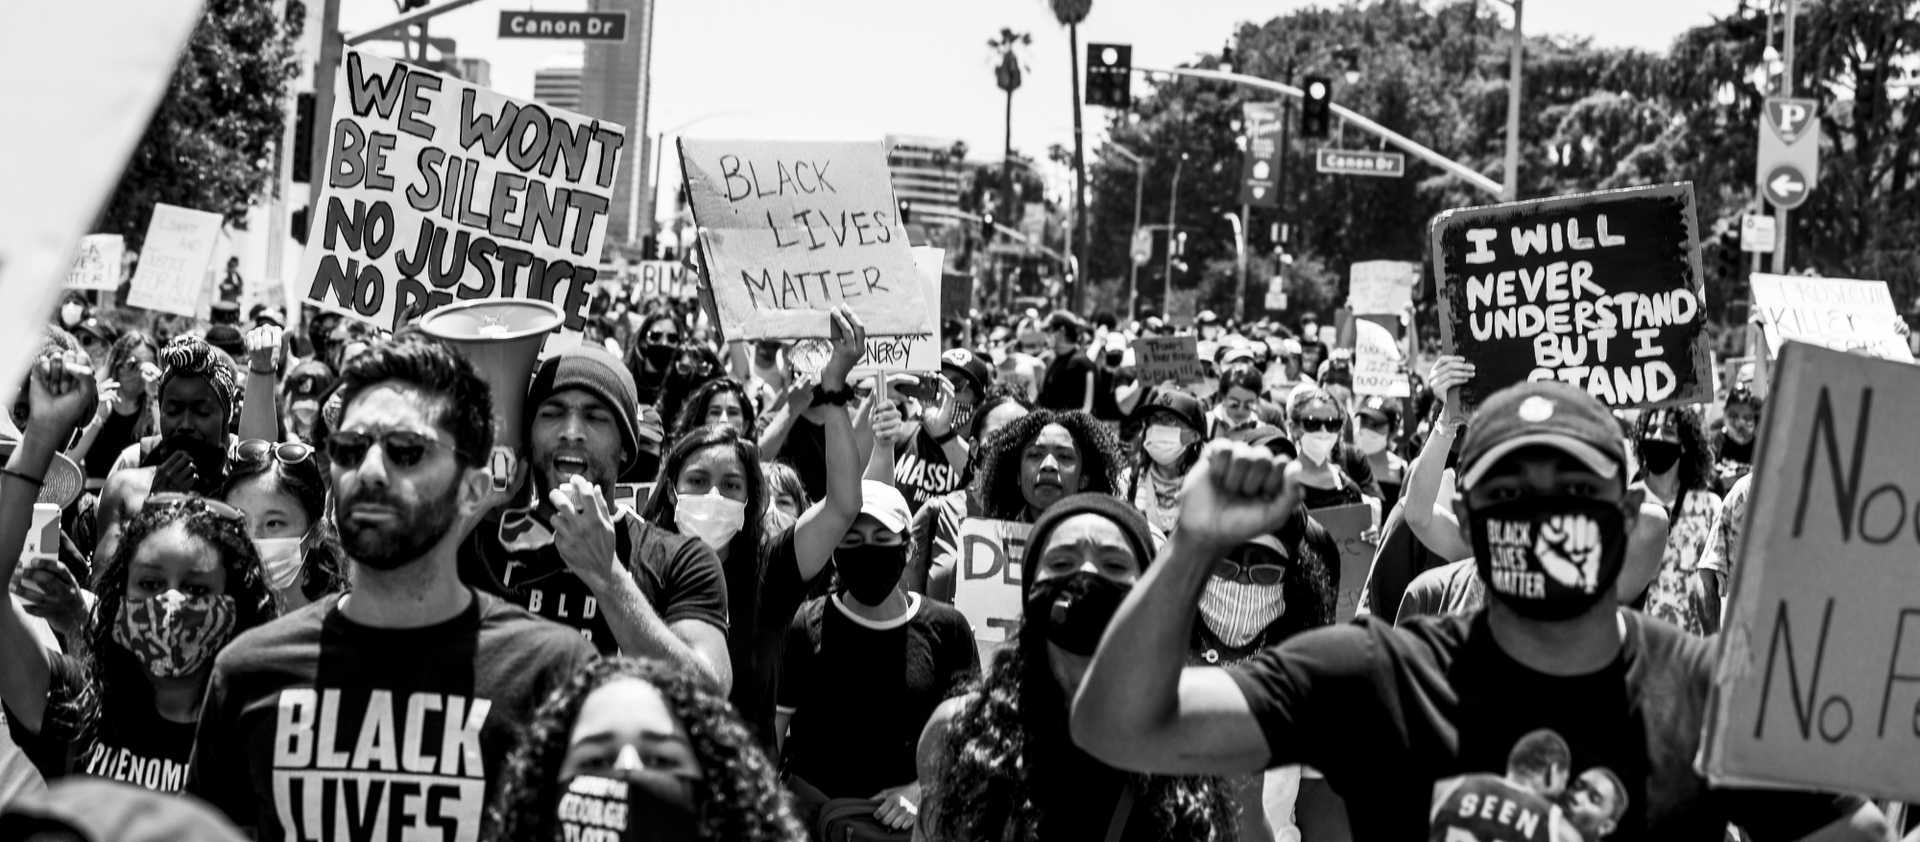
(70, 313)
(711, 517)
(1318, 446)
(1369, 441)
(280, 558)
(1163, 444)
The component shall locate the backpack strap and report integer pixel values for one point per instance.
(1122, 812)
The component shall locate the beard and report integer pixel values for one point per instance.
(401, 541)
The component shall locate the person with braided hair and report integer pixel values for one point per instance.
(199, 399)
(691, 769)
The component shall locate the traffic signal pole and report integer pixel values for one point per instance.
(1786, 89)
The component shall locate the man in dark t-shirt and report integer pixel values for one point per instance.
(1070, 378)
(572, 556)
(400, 700)
(1546, 501)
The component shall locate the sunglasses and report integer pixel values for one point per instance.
(662, 336)
(403, 449)
(257, 451)
(1319, 425)
(166, 500)
(1263, 573)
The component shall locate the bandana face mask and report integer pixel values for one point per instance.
(1549, 558)
(175, 635)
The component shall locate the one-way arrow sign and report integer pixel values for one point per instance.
(1786, 187)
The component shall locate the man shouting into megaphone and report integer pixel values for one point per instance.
(572, 556)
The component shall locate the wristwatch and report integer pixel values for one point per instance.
(951, 434)
(822, 397)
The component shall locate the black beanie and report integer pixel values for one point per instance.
(598, 372)
(1132, 524)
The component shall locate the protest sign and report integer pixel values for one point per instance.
(1348, 525)
(793, 230)
(1381, 286)
(913, 352)
(1838, 313)
(1818, 685)
(59, 178)
(96, 265)
(1601, 290)
(653, 280)
(1377, 366)
(986, 588)
(172, 275)
(438, 191)
(1158, 359)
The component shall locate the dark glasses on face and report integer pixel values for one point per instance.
(403, 449)
(1258, 574)
(173, 499)
(257, 451)
(1319, 425)
(662, 336)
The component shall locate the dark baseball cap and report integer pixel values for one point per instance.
(1376, 409)
(969, 365)
(1181, 406)
(1543, 413)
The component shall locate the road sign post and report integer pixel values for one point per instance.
(1360, 162)
(570, 26)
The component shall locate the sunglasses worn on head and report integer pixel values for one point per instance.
(256, 451)
(1319, 425)
(403, 449)
(174, 499)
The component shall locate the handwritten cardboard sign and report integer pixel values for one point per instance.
(1818, 684)
(792, 230)
(986, 587)
(1381, 286)
(1347, 524)
(1158, 359)
(653, 280)
(96, 265)
(1378, 368)
(1601, 290)
(172, 275)
(438, 191)
(911, 352)
(1837, 313)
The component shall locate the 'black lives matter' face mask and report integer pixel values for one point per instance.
(1549, 558)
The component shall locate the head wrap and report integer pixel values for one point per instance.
(191, 356)
(1132, 524)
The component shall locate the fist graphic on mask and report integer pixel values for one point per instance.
(1568, 547)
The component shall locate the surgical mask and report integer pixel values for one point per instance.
(711, 517)
(1369, 441)
(1549, 558)
(1318, 446)
(1659, 456)
(175, 635)
(280, 558)
(1239, 611)
(1163, 444)
(1072, 611)
(70, 313)
(640, 805)
(869, 572)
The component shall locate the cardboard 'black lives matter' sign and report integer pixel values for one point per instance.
(1601, 290)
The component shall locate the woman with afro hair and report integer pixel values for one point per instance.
(690, 767)
(1041, 458)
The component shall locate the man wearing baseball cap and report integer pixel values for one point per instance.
(574, 557)
(1545, 500)
(863, 669)
(933, 461)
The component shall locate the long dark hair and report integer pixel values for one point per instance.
(118, 675)
(998, 484)
(1696, 455)
(1312, 584)
(694, 412)
(742, 792)
(660, 509)
(320, 568)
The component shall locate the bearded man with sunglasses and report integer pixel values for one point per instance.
(398, 701)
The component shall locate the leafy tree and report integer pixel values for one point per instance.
(212, 142)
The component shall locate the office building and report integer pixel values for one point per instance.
(926, 173)
(616, 84)
(559, 87)
(479, 71)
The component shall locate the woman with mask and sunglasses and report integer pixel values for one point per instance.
(656, 740)
(650, 356)
(711, 487)
(1677, 468)
(1166, 450)
(283, 492)
(1329, 474)
(182, 583)
(997, 763)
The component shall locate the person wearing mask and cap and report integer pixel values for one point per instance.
(996, 763)
(849, 728)
(1376, 421)
(1545, 499)
(1071, 376)
(199, 390)
(1175, 428)
(572, 557)
(933, 461)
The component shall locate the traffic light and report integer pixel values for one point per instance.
(410, 5)
(299, 225)
(986, 227)
(1314, 113)
(1110, 75)
(906, 212)
(302, 147)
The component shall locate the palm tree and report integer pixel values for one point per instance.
(1070, 13)
(1007, 76)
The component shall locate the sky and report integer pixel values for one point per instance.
(862, 69)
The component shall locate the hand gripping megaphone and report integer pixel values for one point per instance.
(502, 339)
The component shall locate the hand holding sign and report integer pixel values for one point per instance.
(1235, 492)
(1448, 374)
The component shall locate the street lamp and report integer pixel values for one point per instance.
(1173, 206)
(1133, 265)
(1240, 261)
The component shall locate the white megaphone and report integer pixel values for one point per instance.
(502, 338)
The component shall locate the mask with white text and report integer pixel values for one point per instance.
(1549, 558)
(711, 517)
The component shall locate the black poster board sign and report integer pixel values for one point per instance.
(1601, 290)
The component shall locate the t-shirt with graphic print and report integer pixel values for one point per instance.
(134, 744)
(1669, 596)
(514, 557)
(1441, 699)
(317, 727)
(921, 470)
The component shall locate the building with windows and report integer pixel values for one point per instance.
(927, 174)
(559, 87)
(616, 84)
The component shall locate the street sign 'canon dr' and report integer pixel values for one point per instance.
(1789, 160)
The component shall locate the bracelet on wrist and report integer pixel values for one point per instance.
(35, 481)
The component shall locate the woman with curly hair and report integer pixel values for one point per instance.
(1677, 467)
(719, 401)
(690, 768)
(936, 527)
(280, 488)
(182, 582)
(1041, 458)
(997, 763)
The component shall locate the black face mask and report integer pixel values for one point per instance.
(643, 807)
(868, 572)
(1659, 456)
(1073, 611)
(659, 356)
(1549, 558)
